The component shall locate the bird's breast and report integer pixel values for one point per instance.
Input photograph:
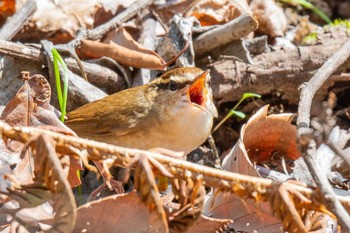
(182, 130)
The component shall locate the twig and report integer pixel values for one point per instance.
(114, 23)
(327, 192)
(308, 91)
(224, 34)
(15, 23)
(98, 151)
(148, 39)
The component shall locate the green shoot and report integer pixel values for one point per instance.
(233, 110)
(341, 22)
(310, 39)
(309, 5)
(62, 97)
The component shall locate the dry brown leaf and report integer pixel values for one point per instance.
(297, 211)
(216, 11)
(265, 136)
(261, 137)
(209, 225)
(109, 9)
(59, 20)
(271, 17)
(207, 12)
(144, 182)
(121, 47)
(31, 107)
(50, 184)
(169, 9)
(190, 197)
(118, 213)
(247, 215)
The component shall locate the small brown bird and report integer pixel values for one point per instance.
(175, 111)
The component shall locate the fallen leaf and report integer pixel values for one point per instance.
(31, 107)
(116, 214)
(207, 12)
(50, 186)
(263, 136)
(121, 47)
(247, 215)
(59, 21)
(260, 138)
(216, 11)
(271, 17)
(208, 225)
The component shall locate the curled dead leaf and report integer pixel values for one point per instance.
(120, 46)
(265, 136)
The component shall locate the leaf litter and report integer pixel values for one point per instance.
(35, 163)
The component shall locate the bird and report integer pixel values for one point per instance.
(174, 111)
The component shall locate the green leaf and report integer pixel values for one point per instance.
(238, 114)
(251, 95)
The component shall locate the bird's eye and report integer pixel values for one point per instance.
(173, 86)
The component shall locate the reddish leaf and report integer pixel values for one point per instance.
(118, 213)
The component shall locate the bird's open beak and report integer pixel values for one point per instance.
(198, 93)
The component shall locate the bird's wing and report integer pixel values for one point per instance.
(113, 114)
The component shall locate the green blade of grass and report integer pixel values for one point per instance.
(57, 78)
(62, 97)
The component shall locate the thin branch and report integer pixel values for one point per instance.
(98, 151)
(308, 92)
(328, 195)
